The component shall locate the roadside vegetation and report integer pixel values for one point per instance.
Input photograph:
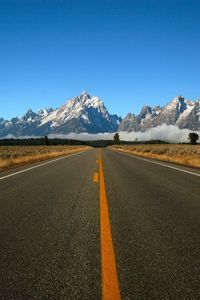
(13, 156)
(116, 139)
(184, 154)
(193, 138)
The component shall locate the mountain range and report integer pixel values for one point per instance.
(180, 112)
(86, 114)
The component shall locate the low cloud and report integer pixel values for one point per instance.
(164, 132)
(168, 133)
(12, 136)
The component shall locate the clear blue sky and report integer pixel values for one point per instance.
(128, 52)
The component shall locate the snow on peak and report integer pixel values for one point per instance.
(84, 96)
(95, 102)
(78, 107)
(45, 111)
(85, 93)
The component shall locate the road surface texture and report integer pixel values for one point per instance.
(100, 225)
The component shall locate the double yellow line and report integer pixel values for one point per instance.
(110, 284)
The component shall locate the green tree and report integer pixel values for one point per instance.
(193, 138)
(116, 138)
(46, 140)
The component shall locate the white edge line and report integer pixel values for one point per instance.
(45, 163)
(157, 163)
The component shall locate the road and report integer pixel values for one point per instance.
(100, 225)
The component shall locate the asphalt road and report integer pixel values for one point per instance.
(51, 234)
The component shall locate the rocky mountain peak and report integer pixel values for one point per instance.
(145, 111)
(80, 114)
(130, 116)
(29, 114)
(84, 113)
(45, 111)
(85, 94)
(178, 103)
(180, 112)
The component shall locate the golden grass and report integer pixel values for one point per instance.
(188, 155)
(13, 156)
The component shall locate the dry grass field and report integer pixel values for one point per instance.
(13, 156)
(188, 155)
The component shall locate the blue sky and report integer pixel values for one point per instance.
(129, 53)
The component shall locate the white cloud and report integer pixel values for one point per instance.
(168, 133)
(11, 136)
(164, 132)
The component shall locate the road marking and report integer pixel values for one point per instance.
(157, 163)
(34, 167)
(96, 177)
(110, 285)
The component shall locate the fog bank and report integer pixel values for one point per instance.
(164, 132)
(168, 133)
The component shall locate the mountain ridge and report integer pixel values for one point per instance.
(80, 114)
(86, 114)
(180, 112)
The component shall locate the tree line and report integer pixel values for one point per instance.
(192, 137)
(45, 141)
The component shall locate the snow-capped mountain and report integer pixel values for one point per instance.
(80, 114)
(88, 114)
(180, 112)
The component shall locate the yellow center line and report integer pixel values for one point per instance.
(96, 177)
(110, 284)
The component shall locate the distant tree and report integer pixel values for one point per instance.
(193, 138)
(116, 138)
(46, 140)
